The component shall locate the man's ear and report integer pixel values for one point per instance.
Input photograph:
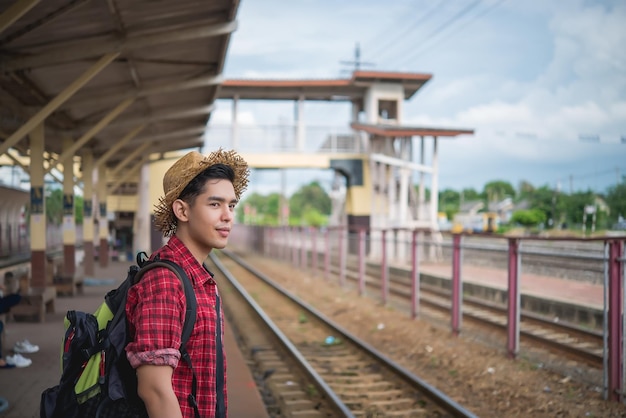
(181, 210)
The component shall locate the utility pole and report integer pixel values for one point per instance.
(357, 63)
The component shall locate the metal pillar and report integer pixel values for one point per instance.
(384, 274)
(514, 272)
(457, 284)
(615, 326)
(415, 276)
(361, 261)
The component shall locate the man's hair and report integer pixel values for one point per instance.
(197, 184)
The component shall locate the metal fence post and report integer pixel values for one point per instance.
(615, 337)
(384, 285)
(513, 298)
(327, 255)
(415, 276)
(457, 285)
(303, 255)
(361, 261)
(342, 258)
(314, 249)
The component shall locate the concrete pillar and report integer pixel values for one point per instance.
(434, 189)
(142, 226)
(300, 132)
(37, 208)
(103, 222)
(69, 223)
(235, 127)
(88, 215)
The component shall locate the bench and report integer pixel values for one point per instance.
(66, 284)
(36, 302)
(69, 284)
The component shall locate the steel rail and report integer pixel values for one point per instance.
(308, 369)
(438, 397)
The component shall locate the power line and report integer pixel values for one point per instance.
(375, 40)
(443, 27)
(459, 27)
(412, 25)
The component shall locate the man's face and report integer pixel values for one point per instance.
(211, 216)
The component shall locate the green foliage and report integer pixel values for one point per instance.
(529, 217)
(616, 201)
(575, 206)
(524, 190)
(54, 207)
(449, 202)
(470, 194)
(267, 209)
(497, 190)
(311, 196)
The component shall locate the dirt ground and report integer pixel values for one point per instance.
(472, 368)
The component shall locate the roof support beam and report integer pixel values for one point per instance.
(123, 92)
(130, 158)
(77, 51)
(164, 115)
(133, 171)
(54, 104)
(397, 162)
(69, 152)
(13, 13)
(119, 145)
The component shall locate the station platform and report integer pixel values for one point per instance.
(572, 301)
(22, 387)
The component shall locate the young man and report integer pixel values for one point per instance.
(197, 212)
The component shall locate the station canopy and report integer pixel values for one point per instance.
(147, 69)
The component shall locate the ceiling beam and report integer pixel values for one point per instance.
(90, 48)
(14, 12)
(123, 92)
(54, 104)
(69, 153)
(162, 115)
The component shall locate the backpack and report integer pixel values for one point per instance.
(97, 381)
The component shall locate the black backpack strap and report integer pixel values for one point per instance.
(190, 316)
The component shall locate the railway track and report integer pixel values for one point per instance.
(309, 367)
(574, 341)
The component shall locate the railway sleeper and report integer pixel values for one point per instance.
(401, 404)
(353, 378)
(301, 408)
(341, 388)
(372, 395)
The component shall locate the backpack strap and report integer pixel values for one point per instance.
(190, 316)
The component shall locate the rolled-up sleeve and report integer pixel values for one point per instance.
(155, 312)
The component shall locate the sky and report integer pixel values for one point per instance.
(542, 83)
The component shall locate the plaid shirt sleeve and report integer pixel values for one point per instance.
(155, 311)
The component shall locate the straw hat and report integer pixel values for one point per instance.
(183, 171)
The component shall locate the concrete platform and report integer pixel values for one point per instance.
(568, 300)
(22, 387)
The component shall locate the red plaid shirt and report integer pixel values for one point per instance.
(156, 313)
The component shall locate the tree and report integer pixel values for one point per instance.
(575, 206)
(528, 217)
(310, 196)
(54, 206)
(616, 201)
(525, 189)
(497, 190)
(449, 202)
(467, 195)
(266, 207)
